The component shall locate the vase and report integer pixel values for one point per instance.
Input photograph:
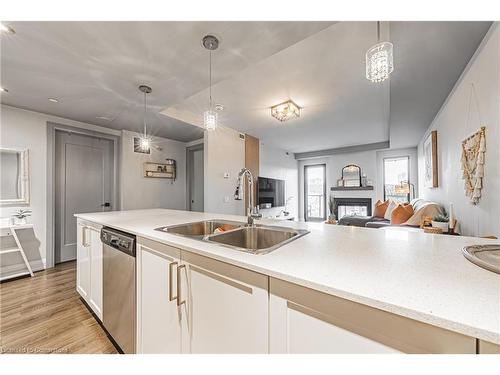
(20, 221)
(440, 224)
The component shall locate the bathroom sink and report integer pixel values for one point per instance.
(257, 239)
(485, 256)
(201, 229)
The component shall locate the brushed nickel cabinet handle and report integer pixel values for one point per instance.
(171, 281)
(179, 299)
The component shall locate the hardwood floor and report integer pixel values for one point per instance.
(44, 314)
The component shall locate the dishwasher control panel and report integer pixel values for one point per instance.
(119, 240)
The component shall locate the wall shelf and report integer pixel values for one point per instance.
(348, 188)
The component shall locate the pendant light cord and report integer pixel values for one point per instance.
(210, 78)
(144, 118)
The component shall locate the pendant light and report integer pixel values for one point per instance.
(379, 60)
(211, 43)
(145, 139)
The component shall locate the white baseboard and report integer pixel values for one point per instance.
(13, 270)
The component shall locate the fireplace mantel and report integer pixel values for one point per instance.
(350, 188)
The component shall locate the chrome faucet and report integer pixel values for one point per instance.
(252, 212)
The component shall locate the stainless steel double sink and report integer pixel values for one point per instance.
(257, 239)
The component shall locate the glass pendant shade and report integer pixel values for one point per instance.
(379, 62)
(210, 120)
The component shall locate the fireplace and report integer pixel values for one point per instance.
(352, 206)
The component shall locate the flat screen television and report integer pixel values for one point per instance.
(270, 191)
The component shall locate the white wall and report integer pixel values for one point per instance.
(27, 129)
(138, 191)
(224, 152)
(452, 127)
(279, 164)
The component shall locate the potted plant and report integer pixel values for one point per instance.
(331, 207)
(441, 221)
(20, 216)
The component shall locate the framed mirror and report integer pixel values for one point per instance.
(351, 174)
(14, 173)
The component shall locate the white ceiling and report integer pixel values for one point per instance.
(94, 68)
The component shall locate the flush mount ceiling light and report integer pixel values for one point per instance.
(5, 29)
(285, 111)
(379, 60)
(53, 100)
(145, 139)
(211, 43)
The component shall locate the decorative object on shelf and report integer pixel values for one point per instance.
(340, 182)
(351, 175)
(405, 187)
(285, 111)
(473, 158)
(15, 176)
(379, 60)
(441, 221)
(430, 160)
(210, 121)
(145, 139)
(161, 170)
(20, 216)
(364, 181)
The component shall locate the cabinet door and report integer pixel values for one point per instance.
(159, 329)
(296, 329)
(83, 262)
(95, 300)
(224, 307)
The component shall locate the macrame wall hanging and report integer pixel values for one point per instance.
(473, 158)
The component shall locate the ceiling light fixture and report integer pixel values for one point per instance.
(379, 60)
(145, 139)
(53, 100)
(211, 43)
(6, 29)
(285, 111)
(3, 89)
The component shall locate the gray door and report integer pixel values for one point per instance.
(195, 178)
(84, 172)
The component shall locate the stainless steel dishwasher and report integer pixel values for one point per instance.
(119, 297)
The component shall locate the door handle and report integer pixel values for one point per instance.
(106, 204)
(179, 299)
(170, 281)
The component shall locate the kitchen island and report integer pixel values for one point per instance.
(336, 289)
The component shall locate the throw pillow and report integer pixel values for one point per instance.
(380, 208)
(390, 208)
(400, 215)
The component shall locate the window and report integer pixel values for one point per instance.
(315, 192)
(396, 179)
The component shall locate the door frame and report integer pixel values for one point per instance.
(305, 192)
(52, 127)
(189, 160)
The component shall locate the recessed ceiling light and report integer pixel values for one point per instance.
(3, 89)
(219, 107)
(53, 100)
(6, 29)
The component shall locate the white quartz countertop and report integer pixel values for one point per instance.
(421, 276)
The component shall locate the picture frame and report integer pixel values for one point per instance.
(430, 161)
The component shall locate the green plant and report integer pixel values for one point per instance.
(21, 213)
(441, 218)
